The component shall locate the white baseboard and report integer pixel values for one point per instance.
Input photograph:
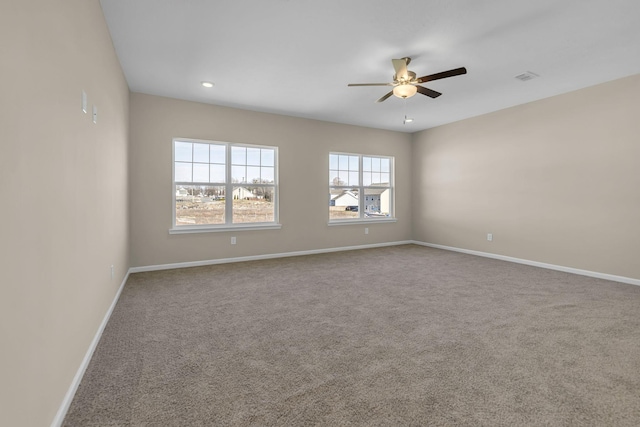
(68, 398)
(595, 274)
(261, 257)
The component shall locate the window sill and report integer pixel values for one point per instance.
(214, 229)
(361, 221)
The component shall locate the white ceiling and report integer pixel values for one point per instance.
(295, 57)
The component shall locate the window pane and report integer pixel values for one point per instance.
(353, 163)
(375, 164)
(199, 205)
(384, 179)
(366, 178)
(375, 178)
(253, 204)
(385, 164)
(334, 178)
(333, 161)
(343, 162)
(238, 155)
(217, 154)
(201, 153)
(377, 203)
(343, 204)
(183, 172)
(268, 176)
(253, 174)
(353, 178)
(268, 157)
(238, 174)
(183, 151)
(200, 172)
(366, 163)
(343, 178)
(253, 156)
(217, 173)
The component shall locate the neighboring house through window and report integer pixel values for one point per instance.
(360, 187)
(220, 185)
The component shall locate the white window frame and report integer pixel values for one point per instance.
(228, 184)
(361, 219)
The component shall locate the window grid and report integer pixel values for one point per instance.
(369, 195)
(206, 168)
(344, 169)
(252, 165)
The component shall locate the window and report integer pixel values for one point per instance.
(360, 187)
(220, 185)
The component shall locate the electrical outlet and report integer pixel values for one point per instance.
(366, 230)
(490, 237)
(233, 240)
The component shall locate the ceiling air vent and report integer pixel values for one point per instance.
(527, 75)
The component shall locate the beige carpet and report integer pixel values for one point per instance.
(395, 336)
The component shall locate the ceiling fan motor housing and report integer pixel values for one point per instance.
(411, 77)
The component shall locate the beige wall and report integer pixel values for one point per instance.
(64, 195)
(555, 181)
(304, 147)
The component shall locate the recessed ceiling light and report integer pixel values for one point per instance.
(207, 84)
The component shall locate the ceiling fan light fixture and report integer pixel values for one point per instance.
(406, 84)
(405, 90)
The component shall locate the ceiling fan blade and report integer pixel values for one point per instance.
(429, 92)
(443, 75)
(370, 84)
(385, 97)
(400, 66)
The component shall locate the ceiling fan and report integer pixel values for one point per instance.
(405, 84)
